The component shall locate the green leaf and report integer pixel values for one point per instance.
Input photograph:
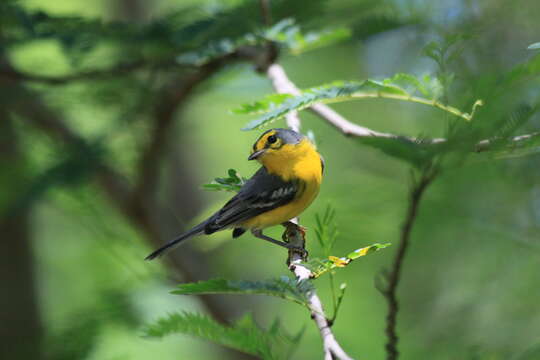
(290, 36)
(326, 230)
(284, 287)
(244, 335)
(269, 102)
(534, 46)
(346, 91)
(319, 267)
(232, 182)
(284, 33)
(416, 152)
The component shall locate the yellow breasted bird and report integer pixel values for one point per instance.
(280, 190)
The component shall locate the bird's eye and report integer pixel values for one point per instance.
(271, 139)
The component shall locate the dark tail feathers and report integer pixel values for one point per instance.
(199, 229)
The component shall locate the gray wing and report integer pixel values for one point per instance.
(262, 193)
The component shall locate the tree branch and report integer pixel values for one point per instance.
(389, 290)
(116, 70)
(296, 237)
(172, 97)
(140, 214)
(283, 85)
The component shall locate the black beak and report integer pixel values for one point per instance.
(256, 154)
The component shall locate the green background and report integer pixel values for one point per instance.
(470, 279)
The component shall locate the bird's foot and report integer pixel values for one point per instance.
(290, 229)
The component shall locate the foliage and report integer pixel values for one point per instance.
(78, 148)
(285, 33)
(232, 183)
(401, 86)
(390, 88)
(326, 231)
(284, 287)
(244, 335)
(319, 267)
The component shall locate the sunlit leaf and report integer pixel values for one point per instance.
(534, 46)
(347, 91)
(319, 267)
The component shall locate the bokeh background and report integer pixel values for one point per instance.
(74, 283)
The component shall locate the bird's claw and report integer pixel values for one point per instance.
(297, 250)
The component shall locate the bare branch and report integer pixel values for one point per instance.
(392, 278)
(282, 85)
(296, 236)
(266, 13)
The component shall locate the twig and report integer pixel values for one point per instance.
(283, 85)
(296, 237)
(118, 191)
(173, 95)
(393, 277)
(116, 70)
(266, 13)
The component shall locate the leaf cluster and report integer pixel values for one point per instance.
(402, 87)
(244, 335)
(283, 287)
(320, 267)
(233, 182)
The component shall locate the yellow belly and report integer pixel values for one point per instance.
(284, 213)
(292, 163)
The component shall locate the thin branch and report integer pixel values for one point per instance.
(332, 349)
(283, 85)
(118, 191)
(116, 70)
(266, 13)
(296, 237)
(170, 99)
(389, 290)
(514, 142)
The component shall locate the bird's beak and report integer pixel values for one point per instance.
(256, 154)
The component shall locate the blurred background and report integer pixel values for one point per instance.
(106, 138)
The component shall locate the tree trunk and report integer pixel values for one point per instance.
(20, 329)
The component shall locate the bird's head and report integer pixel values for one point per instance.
(279, 144)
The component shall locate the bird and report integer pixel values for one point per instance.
(285, 185)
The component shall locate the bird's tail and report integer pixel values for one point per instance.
(199, 229)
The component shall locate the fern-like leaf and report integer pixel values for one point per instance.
(283, 287)
(346, 91)
(244, 335)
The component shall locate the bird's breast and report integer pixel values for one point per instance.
(307, 173)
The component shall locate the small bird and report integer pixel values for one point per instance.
(280, 190)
